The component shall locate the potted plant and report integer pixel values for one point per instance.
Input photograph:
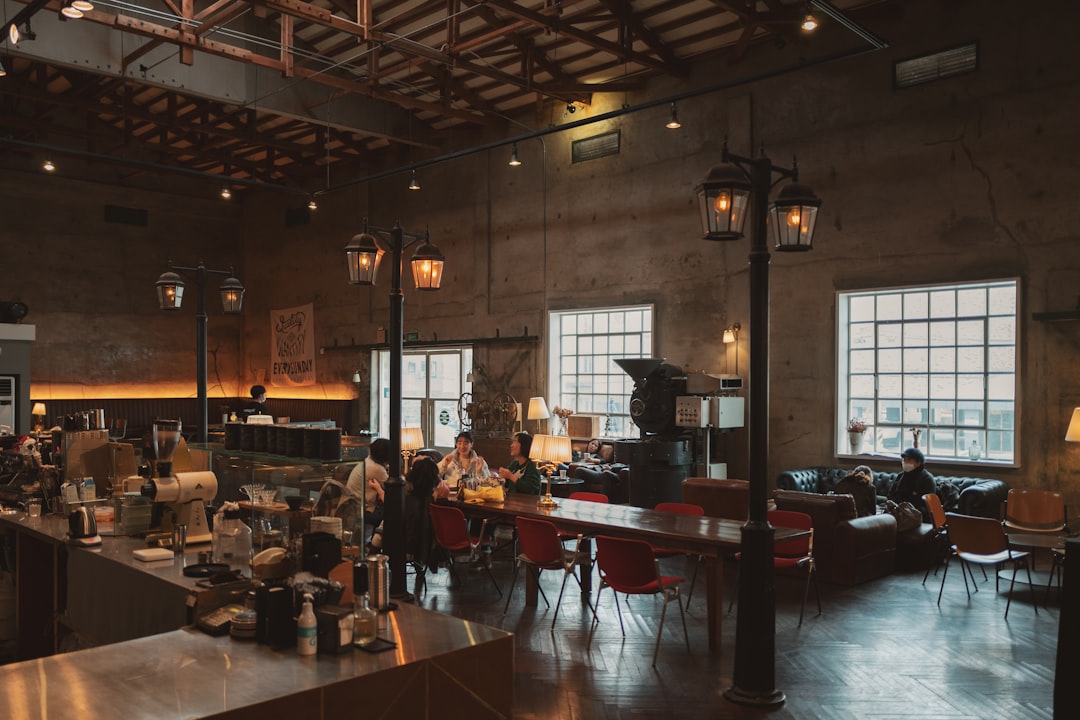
(856, 427)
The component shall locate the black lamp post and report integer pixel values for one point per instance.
(743, 183)
(170, 292)
(364, 252)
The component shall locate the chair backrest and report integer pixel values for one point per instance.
(722, 498)
(449, 525)
(589, 497)
(976, 535)
(680, 508)
(538, 540)
(793, 519)
(1035, 510)
(937, 512)
(625, 563)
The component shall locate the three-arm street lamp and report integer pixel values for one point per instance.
(364, 252)
(170, 292)
(738, 185)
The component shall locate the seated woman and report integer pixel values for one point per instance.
(599, 472)
(859, 484)
(461, 462)
(522, 475)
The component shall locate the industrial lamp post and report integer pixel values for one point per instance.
(364, 252)
(170, 292)
(739, 184)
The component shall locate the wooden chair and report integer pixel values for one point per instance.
(982, 541)
(661, 553)
(793, 554)
(452, 535)
(1035, 511)
(941, 530)
(628, 566)
(541, 549)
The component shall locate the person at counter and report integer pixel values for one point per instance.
(462, 462)
(368, 479)
(522, 475)
(257, 406)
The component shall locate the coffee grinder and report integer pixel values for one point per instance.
(186, 493)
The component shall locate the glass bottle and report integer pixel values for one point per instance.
(974, 452)
(365, 622)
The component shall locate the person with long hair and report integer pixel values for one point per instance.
(521, 475)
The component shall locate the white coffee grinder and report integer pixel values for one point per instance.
(186, 493)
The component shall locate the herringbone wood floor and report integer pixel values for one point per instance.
(883, 649)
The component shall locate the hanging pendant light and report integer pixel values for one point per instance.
(414, 184)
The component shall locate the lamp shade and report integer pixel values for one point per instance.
(538, 409)
(427, 267)
(38, 409)
(1073, 433)
(170, 291)
(729, 336)
(232, 296)
(792, 218)
(552, 448)
(363, 255)
(724, 199)
(412, 438)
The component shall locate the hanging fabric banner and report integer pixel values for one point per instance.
(292, 346)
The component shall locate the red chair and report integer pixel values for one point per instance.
(793, 554)
(452, 535)
(541, 549)
(661, 553)
(628, 566)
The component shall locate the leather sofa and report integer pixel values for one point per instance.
(719, 498)
(978, 496)
(848, 549)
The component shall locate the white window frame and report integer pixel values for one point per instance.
(953, 384)
(582, 374)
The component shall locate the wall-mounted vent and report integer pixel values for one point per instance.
(594, 147)
(937, 66)
(126, 216)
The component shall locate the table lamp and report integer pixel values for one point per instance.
(538, 410)
(412, 439)
(548, 451)
(38, 411)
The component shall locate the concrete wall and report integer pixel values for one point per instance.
(962, 179)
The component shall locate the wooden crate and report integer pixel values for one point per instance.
(583, 426)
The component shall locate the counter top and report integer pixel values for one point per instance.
(186, 674)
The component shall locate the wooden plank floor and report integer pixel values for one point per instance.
(883, 649)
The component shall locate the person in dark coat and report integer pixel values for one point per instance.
(914, 482)
(859, 484)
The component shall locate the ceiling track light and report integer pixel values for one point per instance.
(13, 34)
(3, 70)
(71, 12)
(82, 5)
(414, 184)
(226, 193)
(48, 166)
(673, 123)
(514, 161)
(809, 22)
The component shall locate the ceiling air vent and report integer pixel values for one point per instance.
(936, 66)
(594, 147)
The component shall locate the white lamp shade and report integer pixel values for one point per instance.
(553, 448)
(1073, 433)
(38, 409)
(412, 438)
(538, 409)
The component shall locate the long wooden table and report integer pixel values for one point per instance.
(707, 536)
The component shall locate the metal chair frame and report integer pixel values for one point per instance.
(541, 549)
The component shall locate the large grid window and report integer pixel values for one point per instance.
(942, 359)
(582, 347)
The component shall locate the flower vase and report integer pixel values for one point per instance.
(855, 442)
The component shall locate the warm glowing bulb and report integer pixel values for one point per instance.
(809, 23)
(71, 12)
(723, 202)
(794, 217)
(226, 193)
(48, 166)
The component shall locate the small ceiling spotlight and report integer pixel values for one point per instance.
(226, 193)
(414, 184)
(810, 22)
(70, 11)
(311, 204)
(571, 108)
(514, 161)
(673, 123)
(3, 70)
(83, 6)
(48, 166)
(13, 34)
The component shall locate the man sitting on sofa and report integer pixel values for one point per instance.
(913, 483)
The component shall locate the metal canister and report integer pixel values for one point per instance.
(378, 581)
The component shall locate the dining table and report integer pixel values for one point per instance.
(708, 537)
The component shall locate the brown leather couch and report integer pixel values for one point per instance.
(719, 498)
(849, 550)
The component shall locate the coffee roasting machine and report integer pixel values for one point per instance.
(678, 415)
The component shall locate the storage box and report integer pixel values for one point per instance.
(582, 426)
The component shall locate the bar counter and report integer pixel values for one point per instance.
(442, 667)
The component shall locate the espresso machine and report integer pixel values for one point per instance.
(186, 493)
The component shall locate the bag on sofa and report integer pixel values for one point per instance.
(949, 494)
(908, 517)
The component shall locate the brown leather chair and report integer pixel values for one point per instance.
(719, 498)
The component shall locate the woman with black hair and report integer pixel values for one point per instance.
(522, 475)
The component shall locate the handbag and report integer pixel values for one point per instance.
(908, 517)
